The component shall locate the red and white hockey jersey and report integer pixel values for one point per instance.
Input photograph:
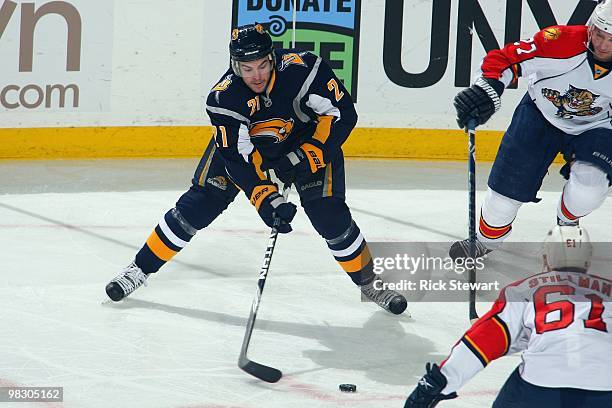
(573, 92)
(562, 321)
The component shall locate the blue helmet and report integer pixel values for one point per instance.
(249, 42)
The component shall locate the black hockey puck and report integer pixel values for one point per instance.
(347, 387)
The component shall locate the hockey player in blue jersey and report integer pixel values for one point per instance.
(280, 110)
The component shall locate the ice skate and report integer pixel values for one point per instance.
(128, 281)
(562, 223)
(388, 299)
(461, 249)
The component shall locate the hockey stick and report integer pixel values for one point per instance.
(471, 130)
(263, 372)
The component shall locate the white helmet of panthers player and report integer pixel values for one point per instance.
(567, 248)
(602, 16)
(599, 40)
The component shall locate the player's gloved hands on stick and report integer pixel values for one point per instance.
(276, 212)
(287, 166)
(479, 102)
(308, 157)
(428, 394)
(294, 160)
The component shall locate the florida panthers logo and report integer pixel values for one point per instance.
(551, 33)
(575, 102)
(276, 129)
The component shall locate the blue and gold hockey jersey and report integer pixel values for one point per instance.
(304, 100)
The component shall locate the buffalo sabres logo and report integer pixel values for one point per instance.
(574, 102)
(223, 85)
(276, 129)
(292, 58)
(220, 182)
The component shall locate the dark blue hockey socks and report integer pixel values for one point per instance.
(171, 235)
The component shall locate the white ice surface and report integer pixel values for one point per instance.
(175, 343)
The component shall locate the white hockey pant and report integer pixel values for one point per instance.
(584, 192)
(496, 216)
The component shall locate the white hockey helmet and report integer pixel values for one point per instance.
(602, 16)
(567, 247)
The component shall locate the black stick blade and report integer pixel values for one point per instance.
(473, 316)
(265, 373)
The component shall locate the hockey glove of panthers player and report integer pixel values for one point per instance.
(272, 207)
(307, 157)
(479, 102)
(427, 394)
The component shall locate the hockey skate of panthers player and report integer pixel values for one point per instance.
(560, 319)
(567, 109)
(280, 110)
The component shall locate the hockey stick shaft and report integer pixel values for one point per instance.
(471, 130)
(260, 371)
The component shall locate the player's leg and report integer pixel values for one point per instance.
(323, 198)
(210, 194)
(527, 149)
(597, 399)
(589, 158)
(518, 393)
(496, 216)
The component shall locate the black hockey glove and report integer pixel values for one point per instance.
(287, 166)
(306, 158)
(427, 394)
(272, 207)
(287, 163)
(479, 102)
